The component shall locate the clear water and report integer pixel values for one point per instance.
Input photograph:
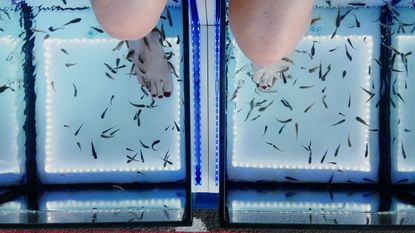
(324, 108)
(330, 132)
(78, 97)
(12, 103)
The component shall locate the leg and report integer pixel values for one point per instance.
(134, 20)
(128, 19)
(268, 31)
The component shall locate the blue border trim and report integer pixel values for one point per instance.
(217, 91)
(195, 30)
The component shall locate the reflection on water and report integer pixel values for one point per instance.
(328, 206)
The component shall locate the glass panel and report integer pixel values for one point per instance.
(12, 96)
(116, 205)
(403, 97)
(320, 122)
(93, 119)
(303, 206)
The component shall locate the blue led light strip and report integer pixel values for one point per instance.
(196, 92)
(217, 76)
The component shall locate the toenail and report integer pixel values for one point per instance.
(154, 95)
(167, 94)
(160, 96)
(257, 85)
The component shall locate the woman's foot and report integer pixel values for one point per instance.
(151, 65)
(266, 76)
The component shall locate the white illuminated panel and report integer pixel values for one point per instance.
(12, 105)
(332, 111)
(79, 97)
(105, 206)
(307, 207)
(403, 103)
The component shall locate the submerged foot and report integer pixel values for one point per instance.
(151, 65)
(266, 76)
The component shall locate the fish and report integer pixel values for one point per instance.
(334, 49)
(357, 22)
(109, 76)
(177, 126)
(274, 146)
(337, 150)
(154, 144)
(308, 108)
(403, 152)
(99, 30)
(173, 69)
(261, 109)
(367, 150)
(68, 65)
(402, 181)
(251, 108)
(359, 119)
(349, 103)
(286, 104)
(296, 130)
(339, 122)
(119, 45)
(75, 90)
(94, 153)
(4, 88)
(79, 146)
(368, 180)
(141, 156)
(323, 99)
(349, 142)
(324, 157)
(110, 68)
(79, 129)
(282, 128)
(265, 130)
(350, 43)
(285, 121)
(348, 54)
(103, 114)
(64, 51)
(144, 145)
(165, 159)
(291, 178)
(107, 130)
(344, 74)
(77, 20)
(256, 118)
(168, 15)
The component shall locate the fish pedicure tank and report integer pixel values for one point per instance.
(330, 145)
(81, 143)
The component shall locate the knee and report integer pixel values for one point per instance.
(265, 51)
(127, 30)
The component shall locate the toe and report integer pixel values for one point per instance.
(168, 85)
(270, 81)
(159, 87)
(258, 76)
(153, 88)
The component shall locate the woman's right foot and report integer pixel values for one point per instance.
(151, 65)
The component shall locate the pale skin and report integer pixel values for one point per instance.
(265, 30)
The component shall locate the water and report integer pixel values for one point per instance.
(90, 126)
(324, 110)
